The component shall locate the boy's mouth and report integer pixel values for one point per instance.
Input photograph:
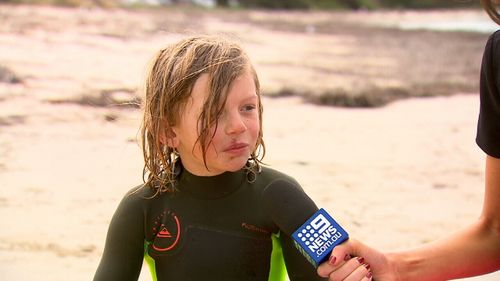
(236, 147)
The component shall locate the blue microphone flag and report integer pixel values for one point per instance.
(317, 237)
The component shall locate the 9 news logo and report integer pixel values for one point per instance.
(317, 237)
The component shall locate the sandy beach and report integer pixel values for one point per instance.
(395, 176)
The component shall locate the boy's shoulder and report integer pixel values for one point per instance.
(141, 195)
(495, 34)
(269, 175)
(494, 41)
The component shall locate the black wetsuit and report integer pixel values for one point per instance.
(488, 129)
(213, 228)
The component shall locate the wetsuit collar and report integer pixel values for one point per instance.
(212, 187)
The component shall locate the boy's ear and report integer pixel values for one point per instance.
(169, 137)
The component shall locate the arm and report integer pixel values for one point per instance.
(124, 249)
(472, 251)
(288, 206)
(298, 268)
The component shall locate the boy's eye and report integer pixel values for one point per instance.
(248, 107)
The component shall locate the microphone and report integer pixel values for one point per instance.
(314, 232)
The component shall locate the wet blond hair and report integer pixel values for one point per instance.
(170, 80)
(490, 7)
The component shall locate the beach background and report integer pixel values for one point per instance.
(374, 113)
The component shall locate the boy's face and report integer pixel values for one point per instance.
(237, 131)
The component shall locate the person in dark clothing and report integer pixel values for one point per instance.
(474, 250)
(198, 215)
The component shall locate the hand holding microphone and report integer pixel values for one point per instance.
(314, 231)
(347, 262)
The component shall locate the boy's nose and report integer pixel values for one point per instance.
(235, 124)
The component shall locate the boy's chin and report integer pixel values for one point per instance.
(237, 166)
(235, 169)
(231, 165)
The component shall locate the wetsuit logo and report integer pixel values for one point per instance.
(168, 229)
(254, 228)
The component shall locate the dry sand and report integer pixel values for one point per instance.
(395, 177)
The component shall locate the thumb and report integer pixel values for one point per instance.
(340, 254)
(343, 252)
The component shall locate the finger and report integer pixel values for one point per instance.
(339, 255)
(347, 269)
(368, 277)
(362, 272)
(332, 264)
